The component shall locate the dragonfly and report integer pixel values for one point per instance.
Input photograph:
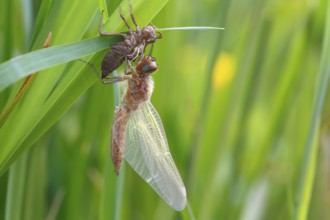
(138, 136)
(137, 131)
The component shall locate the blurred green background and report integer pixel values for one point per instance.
(245, 110)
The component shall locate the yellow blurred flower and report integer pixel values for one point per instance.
(224, 70)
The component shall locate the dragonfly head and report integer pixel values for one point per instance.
(146, 66)
(149, 34)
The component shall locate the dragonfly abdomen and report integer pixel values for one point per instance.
(114, 58)
(118, 136)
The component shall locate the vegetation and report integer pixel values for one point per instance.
(245, 110)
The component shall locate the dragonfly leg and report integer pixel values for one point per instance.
(115, 79)
(94, 69)
(126, 23)
(133, 18)
(160, 36)
(108, 33)
(108, 79)
(151, 49)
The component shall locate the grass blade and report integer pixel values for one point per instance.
(22, 66)
(307, 173)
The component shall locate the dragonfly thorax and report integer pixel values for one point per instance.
(139, 91)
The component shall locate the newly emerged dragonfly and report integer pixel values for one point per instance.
(139, 136)
(137, 132)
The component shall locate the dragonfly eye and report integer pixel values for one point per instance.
(149, 67)
(146, 66)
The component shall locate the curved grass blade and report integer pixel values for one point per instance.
(308, 170)
(24, 65)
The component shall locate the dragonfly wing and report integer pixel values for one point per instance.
(148, 154)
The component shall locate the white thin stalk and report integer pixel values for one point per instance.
(189, 28)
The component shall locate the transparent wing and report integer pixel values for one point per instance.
(147, 152)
